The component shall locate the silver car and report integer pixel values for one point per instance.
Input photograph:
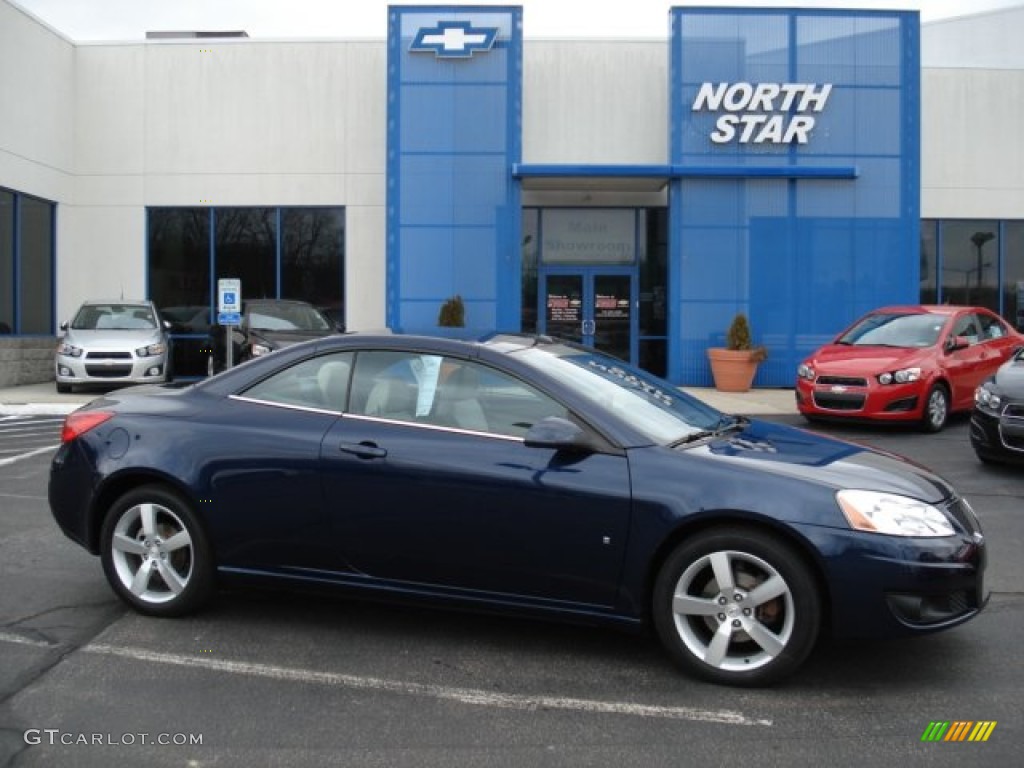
(113, 342)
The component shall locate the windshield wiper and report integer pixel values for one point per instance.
(725, 424)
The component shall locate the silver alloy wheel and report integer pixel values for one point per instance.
(152, 553)
(938, 408)
(733, 610)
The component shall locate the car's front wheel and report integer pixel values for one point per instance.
(155, 553)
(936, 409)
(737, 606)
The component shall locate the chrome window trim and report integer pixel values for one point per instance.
(375, 419)
(434, 427)
(287, 406)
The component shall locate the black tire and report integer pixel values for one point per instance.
(63, 389)
(936, 409)
(754, 639)
(162, 564)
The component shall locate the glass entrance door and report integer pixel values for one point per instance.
(591, 306)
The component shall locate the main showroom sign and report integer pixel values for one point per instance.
(762, 113)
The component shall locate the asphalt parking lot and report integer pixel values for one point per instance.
(267, 678)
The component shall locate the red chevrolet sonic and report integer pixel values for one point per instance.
(909, 363)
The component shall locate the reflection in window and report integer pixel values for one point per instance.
(35, 266)
(245, 240)
(531, 239)
(970, 263)
(1013, 274)
(929, 263)
(26, 264)
(312, 247)
(185, 259)
(179, 266)
(6, 261)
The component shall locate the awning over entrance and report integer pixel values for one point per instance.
(654, 178)
(592, 178)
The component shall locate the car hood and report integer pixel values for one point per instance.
(279, 339)
(112, 339)
(1010, 378)
(863, 360)
(799, 453)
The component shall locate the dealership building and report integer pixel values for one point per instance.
(800, 166)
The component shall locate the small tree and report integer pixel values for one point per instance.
(738, 338)
(452, 314)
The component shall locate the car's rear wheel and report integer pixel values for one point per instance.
(936, 409)
(155, 553)
(737, 606)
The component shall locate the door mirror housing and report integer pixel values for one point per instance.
(957, 342)
(559, 434)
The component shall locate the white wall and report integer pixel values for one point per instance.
(595, 101)
(36, 106)
(987, 40)
(972, 145)
(224, 123)
(106, 130)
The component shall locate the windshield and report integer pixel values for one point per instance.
(895, 330)
(648, 404)
(286, 317)
(114, 317)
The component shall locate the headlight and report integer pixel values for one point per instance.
(902, 376)
(260, 349)
(986, 398)
(805, 371)
(152, 349)
(892, 514)
(69, 350)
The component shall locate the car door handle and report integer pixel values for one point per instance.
(363, 450)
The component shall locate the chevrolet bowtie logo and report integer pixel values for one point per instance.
(454, 39)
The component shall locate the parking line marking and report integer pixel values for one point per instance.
(471, 696)
(7, 637)
(20, 456)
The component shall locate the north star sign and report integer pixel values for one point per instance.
(454, 39)
(762, 113)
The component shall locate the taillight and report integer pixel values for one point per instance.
(80, 422)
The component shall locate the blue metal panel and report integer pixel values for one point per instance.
(453, 210)
(802, 236)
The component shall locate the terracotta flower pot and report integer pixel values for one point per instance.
(733, 369)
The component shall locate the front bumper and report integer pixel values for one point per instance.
(871, 400)
(999, 437)
(885, 586)
(120, 367)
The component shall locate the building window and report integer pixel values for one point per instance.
(929, 263)
(970, 263)
(26, 264)
(286, 253)
(974, 262)
(1013, 274)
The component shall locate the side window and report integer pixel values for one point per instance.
(446, 392)
(991, 327)
(321, 382)
(967, 327)
(474, 397)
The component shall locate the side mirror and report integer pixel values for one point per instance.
(558, 434)
(957, 342)
(64, 325)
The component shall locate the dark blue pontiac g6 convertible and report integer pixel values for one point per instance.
(520, 474)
